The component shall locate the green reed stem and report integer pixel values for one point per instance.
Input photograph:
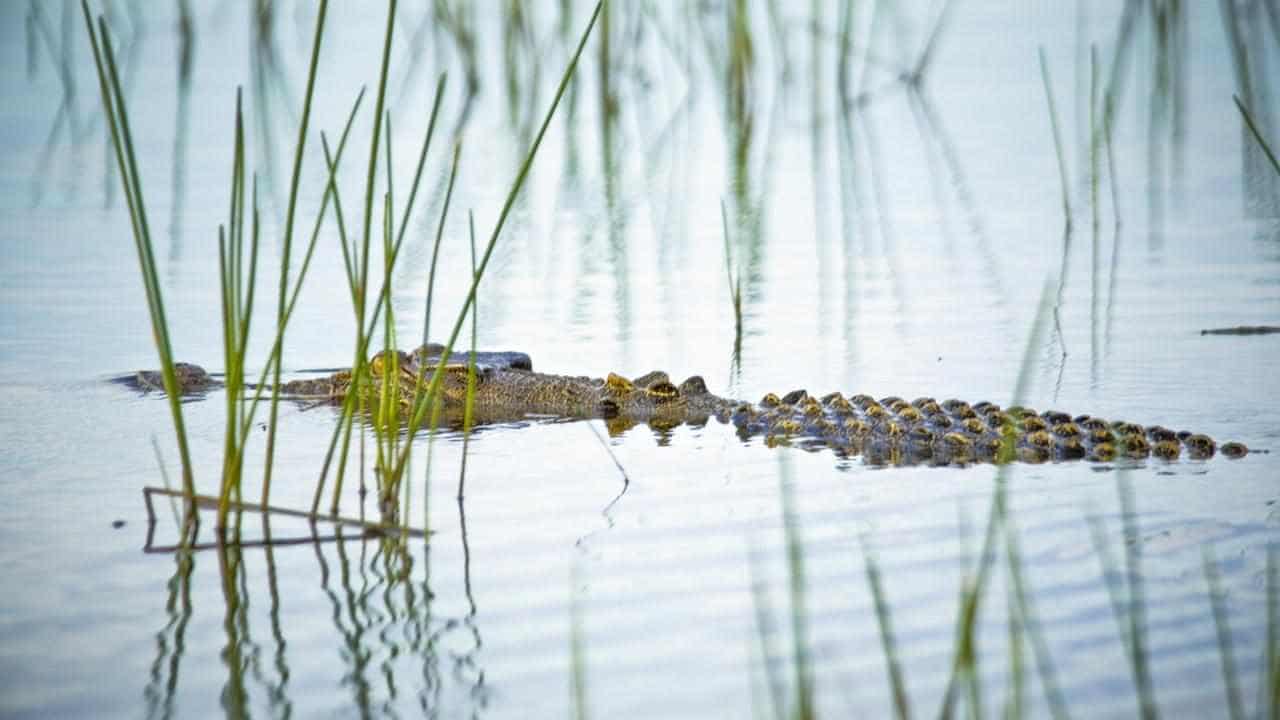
(964, 667)
(1057, 136)
(1026, 609)
(1093, 149)
(438, 375)
(802, 665)
(1110, 571)
(735, 286)
(365, 332)
(114, 109)
(764, 633)
(469, 409)
(385, 427)
(1257, 135)
(441, 84)
(1111, 166)
(897, 683)
(1230, 679)
(577, 648)
(420, 383)
(296, 180)
(1137, 605)
(1272, 650)
(230, 244)
(331, 192)
(435, 250)
(366, 234)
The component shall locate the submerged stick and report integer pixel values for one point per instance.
(208, 501)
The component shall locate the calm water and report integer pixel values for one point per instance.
(902, 250)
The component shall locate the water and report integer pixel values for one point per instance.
(901, 251)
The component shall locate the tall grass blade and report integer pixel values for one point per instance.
(901, 701)
(1137, 605)
(1272, 678)
(1112, 180)
(1116, 594)
(1253, 129)
(1015, 701)
(735, 285)
(1230, 679)
(1031, 623)
(235, 314)
(435, 248)
(1093, 143)
(295, 182)
(577, 648)
(331, 194)
(964, 662)
(518, 183)
(764, 634)
(121, 140)
(391, 253)
(1057, 136)
(365, 326)
(802, 667)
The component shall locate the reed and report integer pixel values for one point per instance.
(764, 627)
(801, 663)
(1057, 136)
(1093, 149)
(1024, 608)
(735, 279)
(1257, 135)
(964, 665)
(468, 410)
(356, 263)
(888, 645)
(577, 648)
(113, 104)
(1135, 612)
(1271, 686)
(1112, 181)
(330, 195)
(1230, 678)
(287, 245)
(415, 422)
(360, 281)
(237, 293)
(421, 380)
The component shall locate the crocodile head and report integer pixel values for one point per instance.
(432, 354)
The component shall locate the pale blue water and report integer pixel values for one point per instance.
(910, 265)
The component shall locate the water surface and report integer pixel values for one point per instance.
(903, 245)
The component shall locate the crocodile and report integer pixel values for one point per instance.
(888, 430)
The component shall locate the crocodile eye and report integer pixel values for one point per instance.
(619, 385)
(483, 371)
(663, 391)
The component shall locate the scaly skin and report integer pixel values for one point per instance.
(886, 431)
